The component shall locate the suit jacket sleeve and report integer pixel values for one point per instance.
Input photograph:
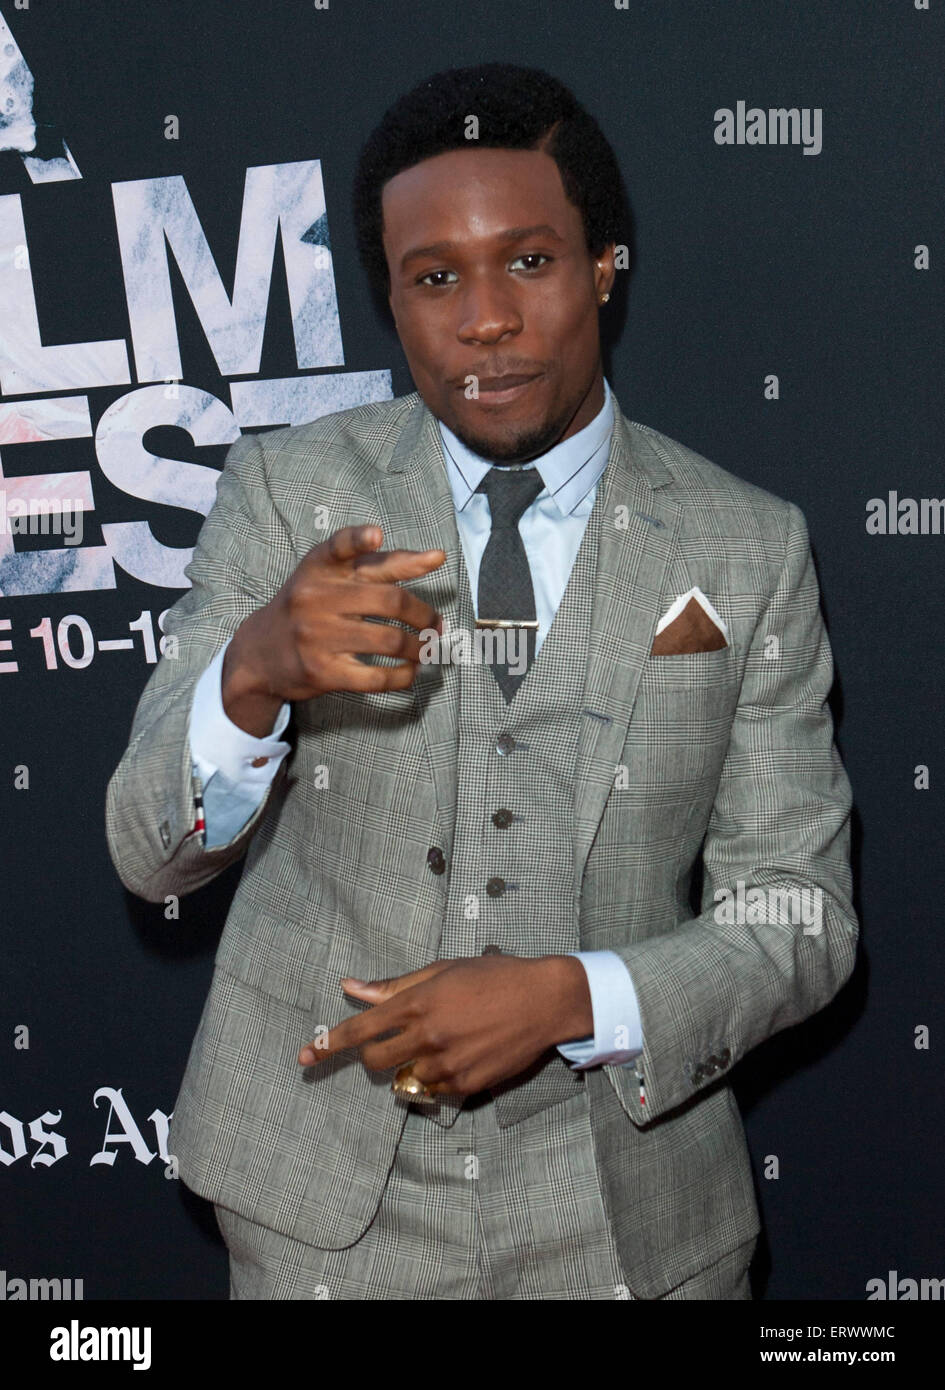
(243, 556)
(711, 989)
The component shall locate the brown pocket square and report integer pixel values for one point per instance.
(692, 630)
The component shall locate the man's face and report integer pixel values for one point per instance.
(471, 298)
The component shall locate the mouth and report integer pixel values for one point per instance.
(496, 390)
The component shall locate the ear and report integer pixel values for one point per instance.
(605, 271)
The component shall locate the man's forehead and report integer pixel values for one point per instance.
(473, 197)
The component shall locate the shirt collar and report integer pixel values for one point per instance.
(569, 470)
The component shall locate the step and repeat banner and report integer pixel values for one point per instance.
(178, 265)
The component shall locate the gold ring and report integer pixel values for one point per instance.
(410, 1086)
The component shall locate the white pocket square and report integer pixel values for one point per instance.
(690, 624)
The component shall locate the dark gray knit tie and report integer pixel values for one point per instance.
(505, 581)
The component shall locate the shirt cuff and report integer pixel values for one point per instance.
(618, 1030)
(227, 806)
(219, 745)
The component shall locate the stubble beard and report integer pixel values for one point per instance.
(526, 445)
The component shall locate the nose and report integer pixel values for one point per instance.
(488, 312)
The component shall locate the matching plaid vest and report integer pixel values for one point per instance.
(511, 865)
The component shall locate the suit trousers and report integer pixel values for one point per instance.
(471, 1212)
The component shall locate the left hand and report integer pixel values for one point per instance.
(466, 1024)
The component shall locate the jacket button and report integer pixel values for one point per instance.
(436, 860)
(502, 818)
(504, 743)
(492, 950)
(724, 1057)
(495, 887)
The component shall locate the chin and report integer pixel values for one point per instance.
(502, 447)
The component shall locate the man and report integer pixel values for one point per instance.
(467, 1036)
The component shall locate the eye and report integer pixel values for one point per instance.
(424, 278)
(428, 279)
(531, 256)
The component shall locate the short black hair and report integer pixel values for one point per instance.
(518, 109)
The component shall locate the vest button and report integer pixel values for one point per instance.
(435, 860)
(502, 818)
(492, 950)
(504, 743)
(495, 887)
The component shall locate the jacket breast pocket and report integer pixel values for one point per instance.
(713, 669)
(702, 684)
(681, 722)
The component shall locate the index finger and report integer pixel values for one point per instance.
(397, 564)
(360, 545)
(353, 1031)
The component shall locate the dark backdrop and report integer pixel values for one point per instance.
(750, 261)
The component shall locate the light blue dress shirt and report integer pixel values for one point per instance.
(551, 529)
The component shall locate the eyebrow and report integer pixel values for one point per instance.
(441, 248)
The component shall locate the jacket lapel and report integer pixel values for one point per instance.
(416, 511)
(639, 524)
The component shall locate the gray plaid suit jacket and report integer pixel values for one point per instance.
(728, 752)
